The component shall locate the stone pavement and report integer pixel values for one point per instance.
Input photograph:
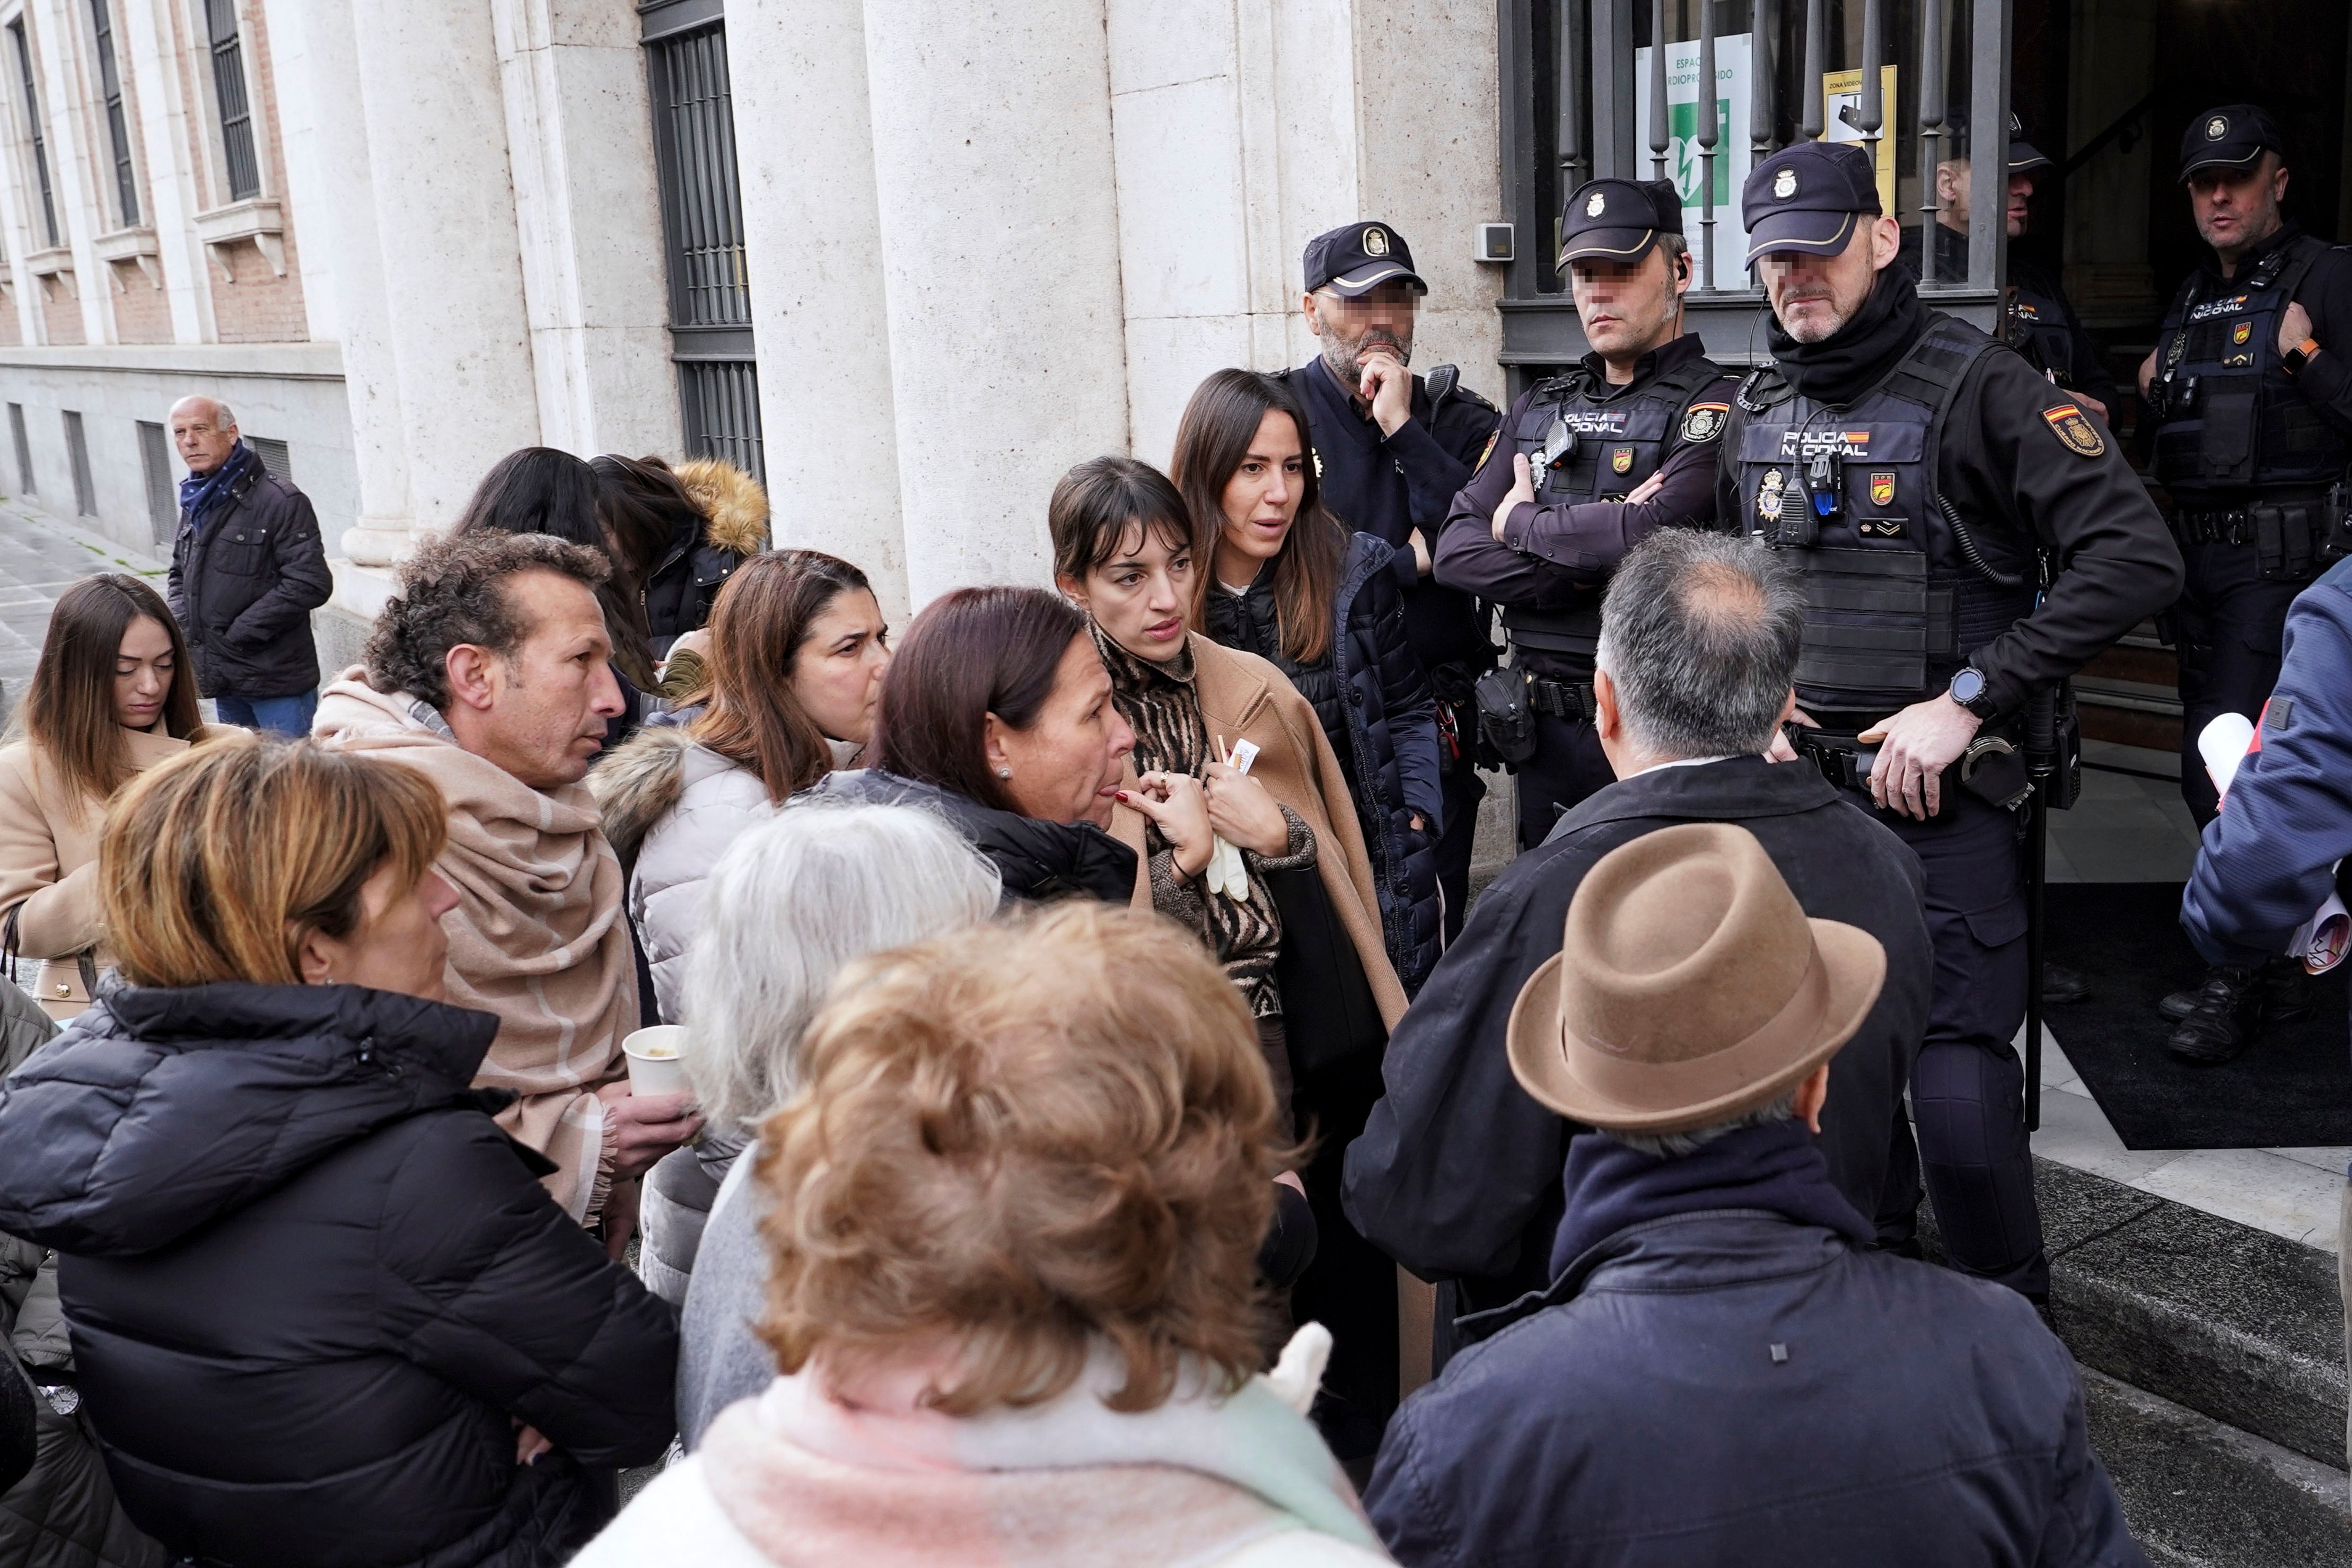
(40, 558)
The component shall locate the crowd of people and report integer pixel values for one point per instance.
(1111, 1136)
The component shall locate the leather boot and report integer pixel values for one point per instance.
(2223, 1019)
(2061, 985)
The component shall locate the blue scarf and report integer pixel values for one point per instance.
(1775, 1167)
(201, 495)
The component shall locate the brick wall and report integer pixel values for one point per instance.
(142, 314)
(60, 311)
(260, 307)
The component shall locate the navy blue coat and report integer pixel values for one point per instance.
(2268, 860)
(1729, 1387)
(312, 1288)
(1374, 702)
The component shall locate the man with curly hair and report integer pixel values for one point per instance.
(488, 674)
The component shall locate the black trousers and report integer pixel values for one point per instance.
(2228, 622)
(1967, 1087)
(1350, 1287)
(1567, 766)
(1461, 790)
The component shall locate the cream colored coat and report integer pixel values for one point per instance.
(48, 866)
(1244, 697)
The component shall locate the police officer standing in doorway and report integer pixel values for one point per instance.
(1587, 465)
(2037, 318)
(2254, 427)
(1920, 477)
(1391, 449)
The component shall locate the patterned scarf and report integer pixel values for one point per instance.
(201, 495)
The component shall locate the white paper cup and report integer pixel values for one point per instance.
(658, 1060)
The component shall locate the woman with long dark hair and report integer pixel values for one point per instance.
(1283, 579)
(797, 650)
(678, 534)
(113, 693)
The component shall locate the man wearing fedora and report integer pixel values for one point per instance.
(1724, 1370)
(1457, 1174)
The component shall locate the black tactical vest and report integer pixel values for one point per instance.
(1589, 441)
(2032, 324)
(1898, 589)
(2232, 418)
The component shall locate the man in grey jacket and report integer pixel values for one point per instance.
(247, 567)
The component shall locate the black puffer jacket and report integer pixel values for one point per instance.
(683, 584)
(314, 1288)
(1038, 860)
(1381, 717)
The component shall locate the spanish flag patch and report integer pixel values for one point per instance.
(2072, 427)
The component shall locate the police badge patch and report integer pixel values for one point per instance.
(1375, 242)
(1882, 488)
(1593, 208)
(1784, 184)
(1483, 453)
(2080, 436)
(2242, 331)
(1621, 460)
(1767, 495)
(1705, 421)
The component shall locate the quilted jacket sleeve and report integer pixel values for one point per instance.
(488, 1284)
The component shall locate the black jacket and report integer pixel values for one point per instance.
(314, 1288)
(1457, 1174)
(1729, 1387)
(681, 589)
(1373, 700)
(1038, 860)
(243, 589)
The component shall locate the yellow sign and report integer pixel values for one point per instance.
(1839, 89)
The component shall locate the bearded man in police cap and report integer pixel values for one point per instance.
(1588, 464)
(1926, 482)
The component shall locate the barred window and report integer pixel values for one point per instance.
(229, 93)
(118, 129)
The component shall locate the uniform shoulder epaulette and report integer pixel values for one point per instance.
(1478, 399)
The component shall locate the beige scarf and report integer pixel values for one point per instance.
(538, 935)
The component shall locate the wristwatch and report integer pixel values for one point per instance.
(2295, 359)
(1968, 689)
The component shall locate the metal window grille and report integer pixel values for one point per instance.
(33, 126)
(702, 220)
(118, 129)
(163, 482)
(24, 449)
(78, 454)
(275, 459)
(229, 91)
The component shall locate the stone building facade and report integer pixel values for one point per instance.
(969, 243)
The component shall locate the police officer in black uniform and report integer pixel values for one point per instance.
(2037, 318)
(1390, 449)
(2255, 427)
(1586, 465)
(1921, 478)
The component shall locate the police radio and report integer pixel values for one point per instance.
(1824, 487)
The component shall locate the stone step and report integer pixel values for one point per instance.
(2199, 1494)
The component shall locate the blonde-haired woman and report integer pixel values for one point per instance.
(1019, 1208)
(114, 691)
(321, 1307)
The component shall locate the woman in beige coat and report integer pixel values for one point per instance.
(114, 693)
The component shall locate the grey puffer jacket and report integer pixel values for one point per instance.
(1377, 708)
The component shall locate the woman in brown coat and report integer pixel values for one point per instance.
(1294, 917)
(114, 693)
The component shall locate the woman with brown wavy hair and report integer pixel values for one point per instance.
(114, 693)
(797, 650)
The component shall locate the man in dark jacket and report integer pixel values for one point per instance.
(1457, 1173)
(1391, 449)
(247, 567)
(1723, 1369)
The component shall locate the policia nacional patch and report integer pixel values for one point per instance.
(2080, 436)
(1483, 453)
(1705, 421)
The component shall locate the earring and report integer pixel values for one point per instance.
(1005, 773)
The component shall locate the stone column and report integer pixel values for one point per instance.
(1001, 262)
(813, 239)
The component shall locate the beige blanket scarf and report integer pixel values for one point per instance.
(538, 935)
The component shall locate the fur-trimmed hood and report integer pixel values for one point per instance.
(638, 783)
(734, 502)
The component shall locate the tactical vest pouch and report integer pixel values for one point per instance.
(1506, 719)
(1573, 633)
(1871, 623)
(2336, 542)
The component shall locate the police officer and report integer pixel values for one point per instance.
(1918, 474)
(2038, 319)
(1391, 449)
(1586, 465)
(2254, 427)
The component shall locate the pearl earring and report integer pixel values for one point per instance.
(1005, 773)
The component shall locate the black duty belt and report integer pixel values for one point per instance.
(2290, 536)
(1562, 699)
(1992, 769)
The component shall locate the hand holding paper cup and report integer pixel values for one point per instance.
(658, 1060)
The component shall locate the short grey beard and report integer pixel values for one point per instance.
(1345, 362)
(1811, 334)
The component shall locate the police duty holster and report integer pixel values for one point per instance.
(1506, 719)
(1993, 768)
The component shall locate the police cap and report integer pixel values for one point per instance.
(2022, 155)
(1617, 220)
(1806, 198)
(2233, 136)
(1359, 258)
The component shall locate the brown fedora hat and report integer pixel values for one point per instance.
(1689, 987)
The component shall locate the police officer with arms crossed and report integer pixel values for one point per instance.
(2253, 420)
(1391, 449)
(1918, 474)
(2037, 318)
(1585, 466)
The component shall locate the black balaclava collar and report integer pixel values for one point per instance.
(1850, 361)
